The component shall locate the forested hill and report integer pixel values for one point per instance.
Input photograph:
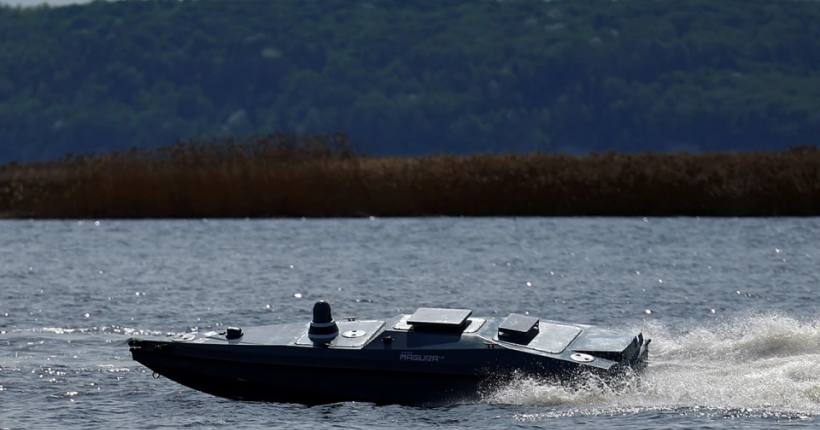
(413, 76)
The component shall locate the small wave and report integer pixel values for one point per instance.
(40, 339)
(752, 365)
(113, 329)
(700, 412)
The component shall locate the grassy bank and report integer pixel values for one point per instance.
(320, 176)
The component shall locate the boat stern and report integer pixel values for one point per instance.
(621, 349)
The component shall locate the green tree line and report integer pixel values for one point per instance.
(412, 76)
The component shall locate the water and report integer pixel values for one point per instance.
(729, 303)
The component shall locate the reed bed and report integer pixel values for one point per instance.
(321, 176)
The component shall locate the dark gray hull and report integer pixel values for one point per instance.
(385, 362)
(310, 385)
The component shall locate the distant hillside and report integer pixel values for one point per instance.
(412, 76)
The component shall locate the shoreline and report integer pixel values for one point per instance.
(214, 181)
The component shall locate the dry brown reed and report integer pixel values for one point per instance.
(320, 176)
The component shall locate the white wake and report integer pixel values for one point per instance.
(758, 364)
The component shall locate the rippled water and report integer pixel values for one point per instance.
(729, 303)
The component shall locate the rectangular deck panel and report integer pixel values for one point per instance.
(517, 324)
(439, 319)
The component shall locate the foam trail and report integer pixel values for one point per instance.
(758, 364)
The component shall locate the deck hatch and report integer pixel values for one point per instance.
(439, 319)
(517, 324)
(551, 338)
(473, 324)
(518, 328)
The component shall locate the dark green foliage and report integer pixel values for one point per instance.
(412, 76)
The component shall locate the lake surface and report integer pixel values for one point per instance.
(730, 304)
